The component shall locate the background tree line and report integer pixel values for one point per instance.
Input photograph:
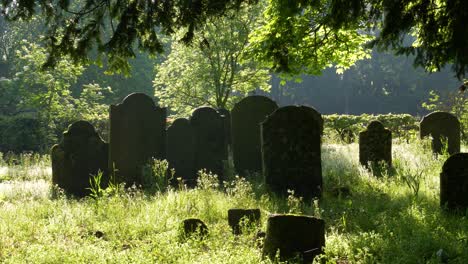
(217, 68)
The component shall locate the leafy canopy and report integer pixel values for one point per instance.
(214, 71)
(77, 27)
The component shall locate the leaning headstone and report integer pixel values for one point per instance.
(444, 128)
(454, 182)
(227, 128)
(294, 236)
(81, 154)
(375, 145)
(137, 134)
(246, 117)
(291, 139)
(208, 130)
(181, 151)
(235, 216)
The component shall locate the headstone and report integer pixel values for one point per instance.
(294, 235)
(375, 145)
(291, 139)
(193, 226)
(227, 128)
(246, 117)
(454, 182)
(235, 216)
(208, 130)
(137, 134)
(81, 153)
(443, 127)
(181, 151)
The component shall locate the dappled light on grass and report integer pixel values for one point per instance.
(368, 219)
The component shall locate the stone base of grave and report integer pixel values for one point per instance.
(294, 236)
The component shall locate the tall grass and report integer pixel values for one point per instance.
(376, 220)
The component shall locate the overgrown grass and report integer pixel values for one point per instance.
(368, 219)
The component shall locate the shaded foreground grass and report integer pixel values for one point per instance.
(381, 220)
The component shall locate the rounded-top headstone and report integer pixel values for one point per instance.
(441, 126)
(235, 216)
(137, 134)
(81, 154)
(294, 235)
(291, 139)
(208, 129)
(375, 145)
(181, 151)
(246, 117)
(454, 182)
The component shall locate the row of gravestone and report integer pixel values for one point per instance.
(283, 142)
(287, 236)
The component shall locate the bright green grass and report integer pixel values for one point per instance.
(381, 222)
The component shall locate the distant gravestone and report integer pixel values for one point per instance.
(137, 134)
(251, 218)
(227, 128)
(81, 153)
(208, 130)
(454, 182)
(291, 139)
(294, 235)
(375, 145)
(443, 127)
(181, 151)
(246, 117)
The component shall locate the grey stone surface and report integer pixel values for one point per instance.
(137, 134)
(208, 130)
(79, 155)
(181, 151)
(246, 117)
(375, 145)
(441, 126)
(454, 183)
(291, 139)
(294, 235)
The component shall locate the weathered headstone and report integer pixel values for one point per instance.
(181, 151)
(291, 139)
(375, 145)
(81, 153)
(293, 236)
(227, 128)
(208, 130)
(246, 117)
(235, 216)
(137, 134)
(444, 128)
(193, 226)
(454, 182)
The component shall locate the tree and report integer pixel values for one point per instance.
(214, 70)
(76, 29)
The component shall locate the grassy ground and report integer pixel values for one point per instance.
(382, 220)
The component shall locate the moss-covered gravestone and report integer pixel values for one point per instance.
(181, 151)
(291, 138)
(375, 145)
(294, 236)
(444, 128)
(454, 182)
(245, 120)
(208, 130)
(81, 153)
(137, 134)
